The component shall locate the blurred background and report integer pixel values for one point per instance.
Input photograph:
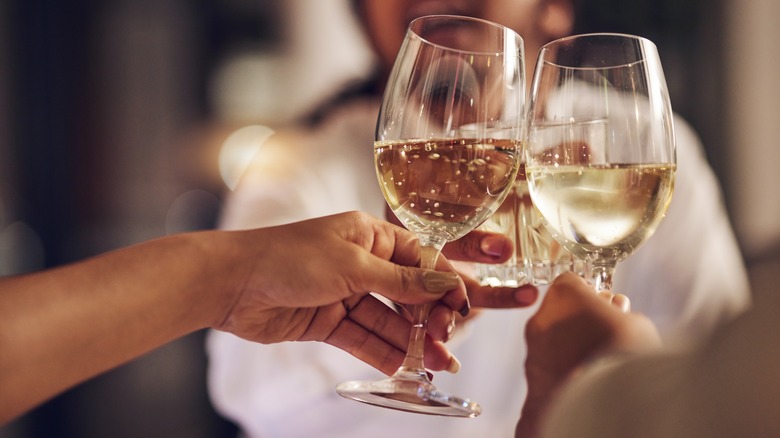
(119, 119)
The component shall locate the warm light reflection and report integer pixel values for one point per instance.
(238, 151)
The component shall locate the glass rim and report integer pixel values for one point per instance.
(501, 27)
(644, 41)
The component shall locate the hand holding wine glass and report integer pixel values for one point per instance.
(442, 167)
(600, 146)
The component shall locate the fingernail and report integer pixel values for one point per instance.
(430, 375)
(622, 302)
(464, 312)
(493, 245)
(526, 295)
(450, 329)
(454, 365)
(438, 282)
(606, 295)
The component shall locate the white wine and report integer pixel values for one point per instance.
(602, 211)
(445, 186)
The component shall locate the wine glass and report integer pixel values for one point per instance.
(600, 151)
(446, 153)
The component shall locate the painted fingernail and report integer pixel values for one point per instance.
(493, 245)
(430, 375)
(438, 282)
(464, 312)
(454, 365)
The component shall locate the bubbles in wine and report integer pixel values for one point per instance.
(445, 186)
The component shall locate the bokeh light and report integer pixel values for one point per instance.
(239, 149)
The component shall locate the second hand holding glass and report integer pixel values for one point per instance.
(455, 81)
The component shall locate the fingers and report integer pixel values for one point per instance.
(406, 284)
(622, 302)
(392, 242)
(571, 280)
(377, 335)
(399, 279)
(457, 299)
(618, 300)
(481, 247)
(499, 297)
(366, 346)
(441, 323)
(438, 358)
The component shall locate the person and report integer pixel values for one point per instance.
(612, 378)
(687, 278)
(307, 281)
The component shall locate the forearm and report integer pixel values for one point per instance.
(65, 325)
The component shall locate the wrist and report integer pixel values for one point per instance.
(209, 257)
(226, 268)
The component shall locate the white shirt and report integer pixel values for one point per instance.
(688, 277)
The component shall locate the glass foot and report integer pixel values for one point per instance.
(410, 392)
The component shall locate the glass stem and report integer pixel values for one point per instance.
(413, 363)
(602, 275)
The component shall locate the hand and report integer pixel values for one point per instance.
(305, 281)
(484, 247)
(573, 326)
(310, 282)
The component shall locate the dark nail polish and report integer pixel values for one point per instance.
(464, 312)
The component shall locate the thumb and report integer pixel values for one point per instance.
(412, 285)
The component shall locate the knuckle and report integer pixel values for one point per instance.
(406, 279)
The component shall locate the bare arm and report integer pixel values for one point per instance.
(63, 326)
